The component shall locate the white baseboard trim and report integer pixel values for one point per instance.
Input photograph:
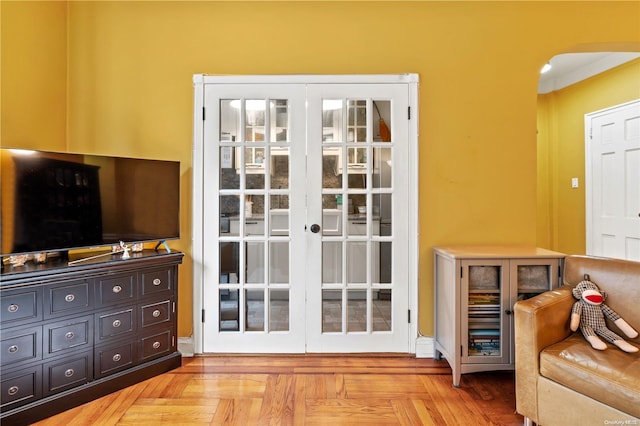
(425, 347)
(185, 346)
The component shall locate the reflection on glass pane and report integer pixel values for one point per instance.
(357, 204)
(356, 262)
(254, 257)
(382, 168)
(279, 262)
(332, 120)
(382, 208)
(382, 121)
(279, 215)
(357, 121)
(332, 218)
(279, 120)
(356, 310)
(255, 119)
(229, 208)
(331, 262)
(254, 300)
(533, 278)
(254, 207)
(229, 120)
(384, 253)
(484, 277)
(229, 262)
(381, 310)
(229, 178)
(229, 310)
(331, 311)
(279, 310)
(331, 167)
(279, 168)
(254, 159)
(255, 180)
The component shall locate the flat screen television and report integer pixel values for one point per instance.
(54, 201)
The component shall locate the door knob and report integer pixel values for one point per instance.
(315, 228)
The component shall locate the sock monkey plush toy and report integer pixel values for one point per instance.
(588, 313)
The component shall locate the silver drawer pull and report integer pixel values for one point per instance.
(69, 298)
(13, 390)
(156, 313)
(13, 349)
(117, 357)
(117, 323)
(157, 281)
(13, 308)
(156, 345)
(69, 335)
(69, 372)
(116, 289)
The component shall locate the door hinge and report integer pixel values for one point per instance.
(203, 315)
(173, 307)
(461, 272)
(409, 316)
(409, 113)
(203, 114)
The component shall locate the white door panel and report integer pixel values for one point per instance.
(613, 182)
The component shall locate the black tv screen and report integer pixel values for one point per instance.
(53, 201)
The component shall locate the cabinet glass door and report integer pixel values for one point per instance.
(534, 276)
(485, 328)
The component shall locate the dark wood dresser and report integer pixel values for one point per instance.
(71, 334)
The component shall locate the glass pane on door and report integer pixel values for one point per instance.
(485, 289)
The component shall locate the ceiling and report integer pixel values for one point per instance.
(570, 68)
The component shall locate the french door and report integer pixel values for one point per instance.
(303, 227)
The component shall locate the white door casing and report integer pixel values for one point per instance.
(305, 332)
(612, 175)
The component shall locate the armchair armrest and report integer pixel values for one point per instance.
(539, 322)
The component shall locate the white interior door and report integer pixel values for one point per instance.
(613, 182)
(301, 225)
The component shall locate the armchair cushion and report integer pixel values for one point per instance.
(609, 376)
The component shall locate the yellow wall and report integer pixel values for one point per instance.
(130, 66)
(34, 75)
(561, 150)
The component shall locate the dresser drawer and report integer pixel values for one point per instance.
(66, 335)
(21, 387)
(68, 298)
(111, 324)
(20, 306)
(156, 345)
(114, 290)
(113, 359)
(21, 345)
(156, 281)
(156, 313)
(68, 372)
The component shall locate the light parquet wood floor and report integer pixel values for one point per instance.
(305, 390)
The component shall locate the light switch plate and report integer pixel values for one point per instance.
(574, 182)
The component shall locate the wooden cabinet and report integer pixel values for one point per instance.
(475, 290)
(71, 334)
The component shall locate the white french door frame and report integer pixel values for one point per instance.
(198, 173)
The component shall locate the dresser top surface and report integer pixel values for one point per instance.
(93, 261)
